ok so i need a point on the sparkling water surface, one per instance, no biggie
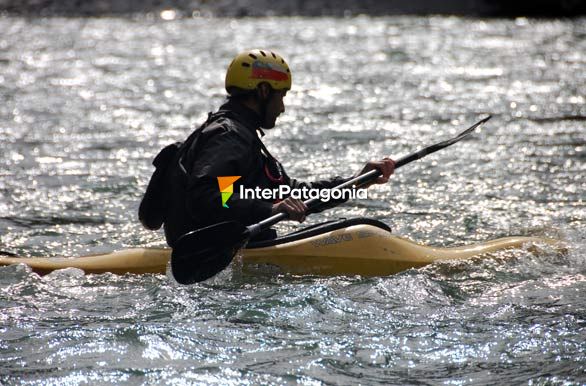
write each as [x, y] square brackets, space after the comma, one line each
[85, 104]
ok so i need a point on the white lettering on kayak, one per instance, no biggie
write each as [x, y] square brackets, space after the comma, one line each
[332, 240]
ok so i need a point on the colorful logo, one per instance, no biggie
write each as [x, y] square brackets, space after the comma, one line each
[268, 71]
[226, 185]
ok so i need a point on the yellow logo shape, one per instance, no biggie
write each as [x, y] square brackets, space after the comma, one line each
[226, 185]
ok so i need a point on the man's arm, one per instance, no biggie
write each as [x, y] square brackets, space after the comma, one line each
[386, 166]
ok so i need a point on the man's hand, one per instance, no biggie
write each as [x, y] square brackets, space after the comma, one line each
[294, 207]
[386, 166]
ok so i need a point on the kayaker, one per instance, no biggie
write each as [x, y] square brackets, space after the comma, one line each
[183, 193]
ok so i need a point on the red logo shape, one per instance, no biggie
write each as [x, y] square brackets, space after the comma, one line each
[268, 71]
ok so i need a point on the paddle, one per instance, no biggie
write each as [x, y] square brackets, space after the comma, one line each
[200, 254]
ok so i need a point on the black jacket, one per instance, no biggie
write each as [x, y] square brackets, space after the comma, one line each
[226, 145]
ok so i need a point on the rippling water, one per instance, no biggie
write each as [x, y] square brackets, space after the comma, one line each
[86, 103]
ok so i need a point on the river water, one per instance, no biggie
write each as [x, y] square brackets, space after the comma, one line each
[85, 104]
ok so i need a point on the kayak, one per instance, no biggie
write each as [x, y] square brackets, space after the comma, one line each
[356, 246]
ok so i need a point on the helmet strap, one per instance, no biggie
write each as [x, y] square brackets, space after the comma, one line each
[263, 102]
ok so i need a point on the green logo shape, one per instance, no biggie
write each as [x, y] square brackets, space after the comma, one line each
[226, 185]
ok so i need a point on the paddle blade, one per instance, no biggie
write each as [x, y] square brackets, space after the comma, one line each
[203, 253]
[466, 132]
[438, 146]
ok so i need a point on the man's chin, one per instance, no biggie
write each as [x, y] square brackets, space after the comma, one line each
[268, 125]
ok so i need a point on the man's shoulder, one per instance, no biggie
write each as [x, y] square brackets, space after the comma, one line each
[227, 126]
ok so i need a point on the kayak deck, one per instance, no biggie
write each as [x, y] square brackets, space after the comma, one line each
[369, 251]
[361, 249]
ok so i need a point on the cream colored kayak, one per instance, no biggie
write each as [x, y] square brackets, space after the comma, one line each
[370, 251]
[361, 249]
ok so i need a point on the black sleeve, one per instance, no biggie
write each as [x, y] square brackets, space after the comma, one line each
[225, 153]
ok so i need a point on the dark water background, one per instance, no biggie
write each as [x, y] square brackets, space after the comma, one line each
[85, 103]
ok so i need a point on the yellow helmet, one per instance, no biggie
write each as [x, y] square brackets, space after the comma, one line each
[250, 68]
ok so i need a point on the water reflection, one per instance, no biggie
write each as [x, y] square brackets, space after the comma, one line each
[87, 103]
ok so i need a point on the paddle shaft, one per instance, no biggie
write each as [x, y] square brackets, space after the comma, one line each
[364, 179]
[313, 202]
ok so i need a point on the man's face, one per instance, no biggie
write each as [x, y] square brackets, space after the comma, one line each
[275, 106]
